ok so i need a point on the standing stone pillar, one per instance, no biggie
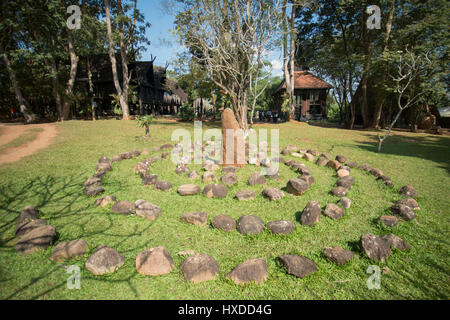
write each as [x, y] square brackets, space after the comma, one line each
[233, 147]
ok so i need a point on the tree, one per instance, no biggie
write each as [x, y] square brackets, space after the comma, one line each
[407, 90]
[228, 38]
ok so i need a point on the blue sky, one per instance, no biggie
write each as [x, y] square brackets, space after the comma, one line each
[163, 44]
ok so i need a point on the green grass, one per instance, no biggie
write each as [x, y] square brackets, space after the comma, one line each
[52, 180]
[27, 137]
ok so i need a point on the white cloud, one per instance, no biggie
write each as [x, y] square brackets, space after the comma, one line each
[276, 65]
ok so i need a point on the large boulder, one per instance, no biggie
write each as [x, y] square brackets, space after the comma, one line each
[346, 182]
[104, 260]
[376, 248]
[250, 225]
[281, 227]
[215, 191]
[311, 213]
[338, 255]
[200, 268]
[250, 271]
[296, 186]
[396, 242]
[224, 222]
[154, 262]
[189, 190]
[273, 194]
[297, 265]
[123, 207]
[39, 238]
[70, 249]
[197, 218]
[147, 210]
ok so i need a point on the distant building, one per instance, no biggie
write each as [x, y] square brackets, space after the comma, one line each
[310, 94]
[155, 92]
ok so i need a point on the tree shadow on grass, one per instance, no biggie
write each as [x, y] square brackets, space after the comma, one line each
[433, 148]
[61, 201]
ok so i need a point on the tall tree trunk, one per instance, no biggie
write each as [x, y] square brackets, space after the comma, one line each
[292, 60]
[22, 102]
[124, 56]
[56, 93]
[112, 57]
[382, 97]
[72, 76]
[286, 55]
[91, 88]
[365, 75]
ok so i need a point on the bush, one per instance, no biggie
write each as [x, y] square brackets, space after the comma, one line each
[186, 112]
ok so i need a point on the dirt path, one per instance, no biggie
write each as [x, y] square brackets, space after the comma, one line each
[9, 133]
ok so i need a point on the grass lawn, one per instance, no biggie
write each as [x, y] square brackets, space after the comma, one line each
[53, 180]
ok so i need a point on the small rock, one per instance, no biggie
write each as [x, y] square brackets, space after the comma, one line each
[104, 260]
[254, 270]
[210, 166]
[36, 239]
[93, 181]
[376, 172]
[326, 156]
[166, 146]
[342, 173]
[334, 164]
[116, 159]
[273, 194]
[147, 210]
[28, 226]
[296, 187]
[200, 268]
[224, 222]
[408, 191]
[141, 168]
[365, 167]
[163, 185]
[250, 225]
[297, 265]
[189, 190]
[229, 169]
[346, 182]
[105, 201]
[229, 179]
[154, 262]
[352, 164]
[322, 161]
[309, 179]
[197, 218]
[181, 169]
[149, 179]
[193, 175]
[282, 227]
[105, 167]
[389, 221]
[70, 249]
[309, 157]
[313, 152]
[409, 202]
[388, 183]
[404, 211]
[123, 207]
[208, 176]
[339, 191]
[311, 213]
[338, 255]
[28, 214]
[215, 191]
[346, 203]
[334, 211]
[341, 159]
[92, 191]
[245, 195]
[256, 178]
[376, 248]
[397, 242]
[297, 155]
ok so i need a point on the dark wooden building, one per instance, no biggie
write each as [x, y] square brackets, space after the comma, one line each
[156, 94]
[310, 96]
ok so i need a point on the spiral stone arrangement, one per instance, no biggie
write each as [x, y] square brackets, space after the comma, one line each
[34, 233]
